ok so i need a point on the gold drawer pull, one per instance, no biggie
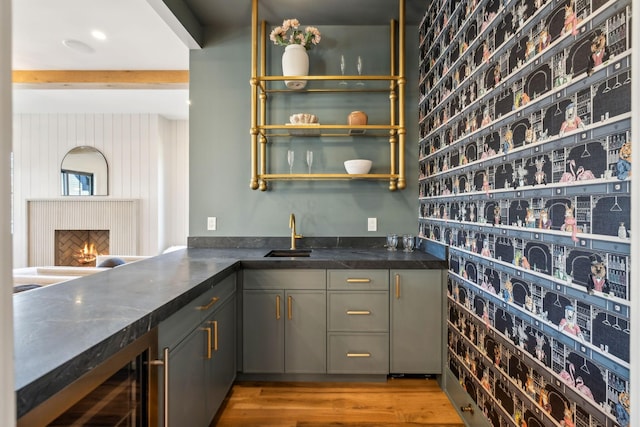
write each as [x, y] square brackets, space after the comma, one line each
[359, 312]
[397, 286]
[211, 303]
[358, 354]
[356, 280]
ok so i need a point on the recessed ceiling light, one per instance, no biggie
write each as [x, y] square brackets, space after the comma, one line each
[99, 35]
[78, 46]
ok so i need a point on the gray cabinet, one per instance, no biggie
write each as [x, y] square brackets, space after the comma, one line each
[416, 321]
[201, 339]
[187, 381]
[220, 369]
[284, 321]
[358, 325]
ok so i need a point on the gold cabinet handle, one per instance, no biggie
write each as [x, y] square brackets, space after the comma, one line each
[289, 307]
[208, 331]
[358, 312]
[357, 280]
[358, 354]
[165, 384]
[215, 335]
[277, 307]
[210, 304]
[397, 286]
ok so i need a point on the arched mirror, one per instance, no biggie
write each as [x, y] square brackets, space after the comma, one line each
[84, 172]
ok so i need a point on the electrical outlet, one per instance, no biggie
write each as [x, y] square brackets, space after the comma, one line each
[372, 224]
[212, 223]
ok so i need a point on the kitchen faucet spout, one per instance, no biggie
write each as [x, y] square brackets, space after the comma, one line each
[292, 226]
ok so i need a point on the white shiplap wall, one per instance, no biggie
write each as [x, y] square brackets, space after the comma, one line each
[133, 145]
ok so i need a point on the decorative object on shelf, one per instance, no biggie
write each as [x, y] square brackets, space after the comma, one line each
[357, 118]
[358, 166]
[295, 61]
[303, 118]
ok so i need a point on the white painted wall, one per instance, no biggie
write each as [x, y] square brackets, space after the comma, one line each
[7, 395]
[132, 144]
[173, 183]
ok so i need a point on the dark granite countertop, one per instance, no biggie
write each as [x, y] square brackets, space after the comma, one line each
[63, 331]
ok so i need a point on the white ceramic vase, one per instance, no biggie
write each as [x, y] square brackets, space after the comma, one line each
[295, 62]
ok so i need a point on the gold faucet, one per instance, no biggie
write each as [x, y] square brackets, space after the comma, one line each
[292, 226]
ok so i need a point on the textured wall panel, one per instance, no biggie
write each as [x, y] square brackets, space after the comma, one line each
[120, 217]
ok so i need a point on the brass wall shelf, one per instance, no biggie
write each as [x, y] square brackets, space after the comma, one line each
[262, 132]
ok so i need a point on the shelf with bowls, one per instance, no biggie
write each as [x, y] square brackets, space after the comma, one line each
[265, 130]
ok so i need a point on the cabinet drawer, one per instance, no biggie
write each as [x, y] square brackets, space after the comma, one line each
[362, 280]
[178, 326]
[221, 292]
[359, 311]
[358, 353]
[284, 279]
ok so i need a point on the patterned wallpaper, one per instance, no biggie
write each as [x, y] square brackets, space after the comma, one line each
[525, 118]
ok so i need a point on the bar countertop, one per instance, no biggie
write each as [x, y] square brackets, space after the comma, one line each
[63, 331]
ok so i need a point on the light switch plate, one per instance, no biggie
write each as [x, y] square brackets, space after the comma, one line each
[212, 223]
[372, 224]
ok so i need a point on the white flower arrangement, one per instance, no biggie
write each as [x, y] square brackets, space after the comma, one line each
[289, 33]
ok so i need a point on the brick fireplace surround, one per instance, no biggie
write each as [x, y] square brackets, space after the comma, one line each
[119, 216]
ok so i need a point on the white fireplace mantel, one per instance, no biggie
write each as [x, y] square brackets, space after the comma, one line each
[119, 216]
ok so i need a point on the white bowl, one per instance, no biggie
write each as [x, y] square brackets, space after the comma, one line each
[358, 166]
[303, 118]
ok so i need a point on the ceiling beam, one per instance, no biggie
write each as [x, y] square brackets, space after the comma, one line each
[101, 79]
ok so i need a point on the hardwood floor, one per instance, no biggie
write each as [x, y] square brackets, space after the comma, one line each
[393, 403]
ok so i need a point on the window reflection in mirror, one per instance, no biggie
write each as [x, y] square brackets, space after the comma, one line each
[84, 172]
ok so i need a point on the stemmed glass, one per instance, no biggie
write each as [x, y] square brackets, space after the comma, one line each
[359, 67]
[290, 154]
[309, 160]
[342, 68]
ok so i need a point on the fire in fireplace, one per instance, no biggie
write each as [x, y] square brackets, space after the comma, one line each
[79, 248]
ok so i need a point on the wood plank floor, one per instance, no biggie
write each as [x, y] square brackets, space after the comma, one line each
[393, 403]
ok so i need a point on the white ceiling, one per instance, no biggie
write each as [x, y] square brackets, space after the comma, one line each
[137, 39]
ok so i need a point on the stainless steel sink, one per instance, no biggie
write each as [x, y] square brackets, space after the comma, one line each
[287, 253]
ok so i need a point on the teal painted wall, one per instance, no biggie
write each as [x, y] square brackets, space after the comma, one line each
[220, 142]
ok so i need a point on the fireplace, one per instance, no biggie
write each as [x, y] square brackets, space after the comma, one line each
[80, 247]
[46, 216]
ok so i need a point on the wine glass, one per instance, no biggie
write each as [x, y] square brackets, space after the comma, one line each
[290, 154]
[359, 67]
[342, 68]
[309, 159]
